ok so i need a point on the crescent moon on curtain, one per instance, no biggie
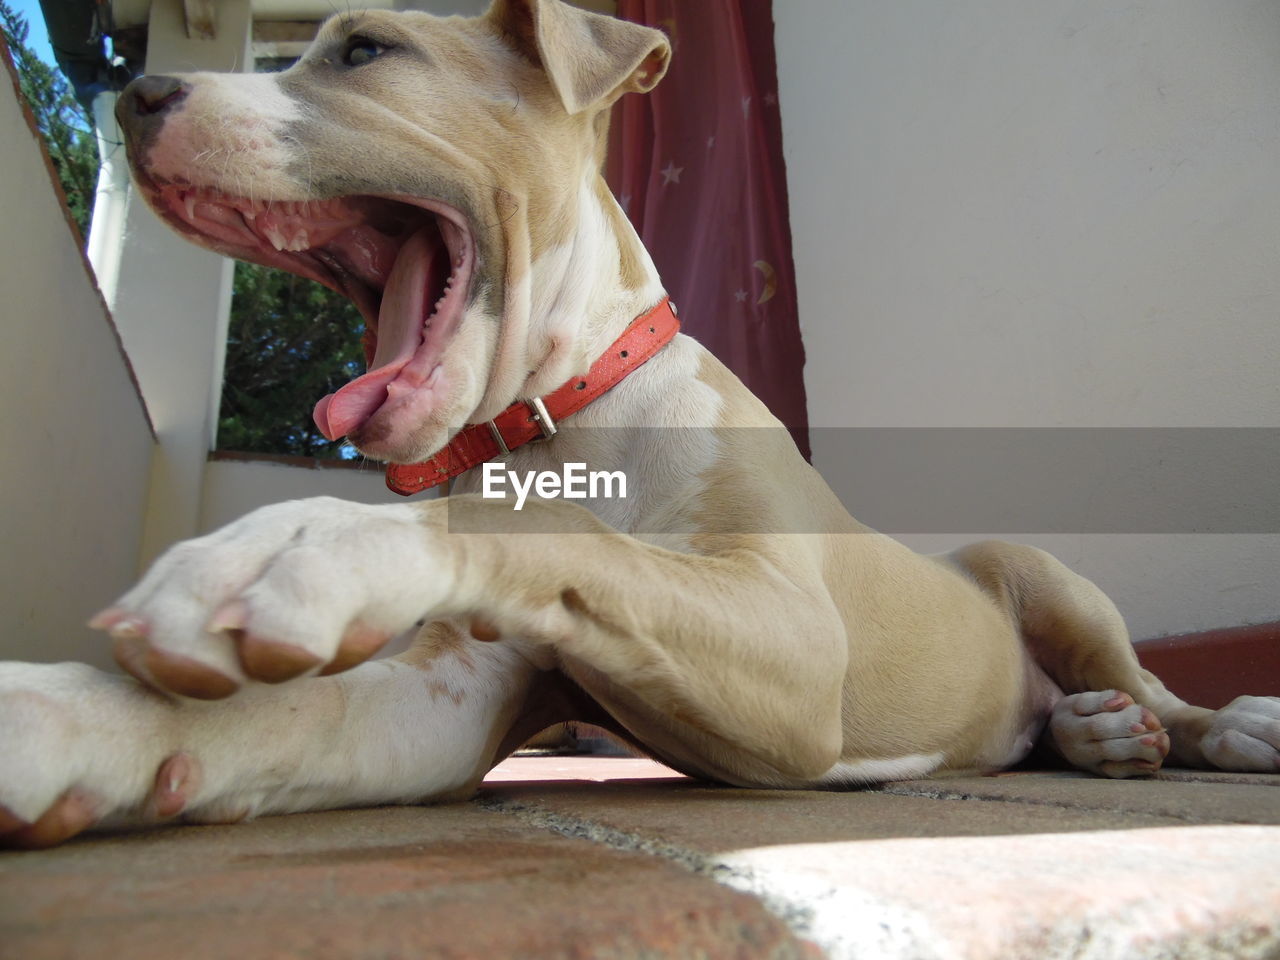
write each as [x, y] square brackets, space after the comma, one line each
[770, 281]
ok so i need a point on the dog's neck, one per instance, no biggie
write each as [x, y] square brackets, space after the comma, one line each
[586, 292]
[578, 297]
[538, 418]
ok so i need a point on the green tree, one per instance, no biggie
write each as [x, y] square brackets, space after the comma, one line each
[290, 341]
[67, 130]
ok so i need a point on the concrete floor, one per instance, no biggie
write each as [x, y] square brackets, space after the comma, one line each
[618, 858]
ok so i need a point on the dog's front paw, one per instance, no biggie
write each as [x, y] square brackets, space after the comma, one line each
[1245, 736]
[78, 746]
[306, 587]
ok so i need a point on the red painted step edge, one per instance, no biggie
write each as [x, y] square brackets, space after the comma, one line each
[1212, 668]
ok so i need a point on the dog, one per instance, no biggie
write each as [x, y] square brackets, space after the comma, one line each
[444, 174]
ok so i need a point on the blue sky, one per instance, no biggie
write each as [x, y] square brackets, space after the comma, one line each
[38, 39]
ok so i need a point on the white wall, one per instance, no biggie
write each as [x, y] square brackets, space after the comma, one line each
[77, 446]
[1060, 213]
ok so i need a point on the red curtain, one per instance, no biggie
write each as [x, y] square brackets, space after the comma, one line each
[697, 165]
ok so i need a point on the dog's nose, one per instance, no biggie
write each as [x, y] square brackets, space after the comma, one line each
[146, 100]
[150, 95]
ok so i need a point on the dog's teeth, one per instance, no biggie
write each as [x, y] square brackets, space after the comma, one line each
[300, 242]
[190, 203]
[272, 233]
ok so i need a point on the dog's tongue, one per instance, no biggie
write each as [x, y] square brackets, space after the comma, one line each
[400, 320]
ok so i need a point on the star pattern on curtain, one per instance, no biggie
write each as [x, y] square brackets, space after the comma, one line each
[699, 169]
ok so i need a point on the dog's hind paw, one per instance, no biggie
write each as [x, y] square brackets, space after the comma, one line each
[301, 588]
[1105, 732]
[1245, 736]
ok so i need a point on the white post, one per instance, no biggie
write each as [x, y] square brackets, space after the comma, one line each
[106, 230]
[172, 299]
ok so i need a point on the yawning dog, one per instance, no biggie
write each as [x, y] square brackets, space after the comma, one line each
[444, 175]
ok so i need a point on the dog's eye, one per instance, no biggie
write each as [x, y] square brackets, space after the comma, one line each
[359, 50]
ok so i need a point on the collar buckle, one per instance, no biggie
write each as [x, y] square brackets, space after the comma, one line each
[543, 419]
[540, 416]
[645, 336]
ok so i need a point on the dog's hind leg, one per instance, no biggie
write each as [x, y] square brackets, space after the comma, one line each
[1115, 717]
[84, 747]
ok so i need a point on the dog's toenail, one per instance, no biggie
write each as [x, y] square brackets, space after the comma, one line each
[129, 628]
[174, 786]
[232, 615]
[106, 619]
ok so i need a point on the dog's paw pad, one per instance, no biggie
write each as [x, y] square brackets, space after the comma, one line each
[72, 813]
[358, 644]
[273, 662]
[484, 630]
[1107, 733]
[171, 671]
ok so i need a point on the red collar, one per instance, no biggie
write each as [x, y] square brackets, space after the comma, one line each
[528, 420]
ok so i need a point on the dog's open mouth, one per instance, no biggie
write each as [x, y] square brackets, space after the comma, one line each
[405, 263]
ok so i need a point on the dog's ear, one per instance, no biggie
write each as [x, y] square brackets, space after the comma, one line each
[590, 59]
